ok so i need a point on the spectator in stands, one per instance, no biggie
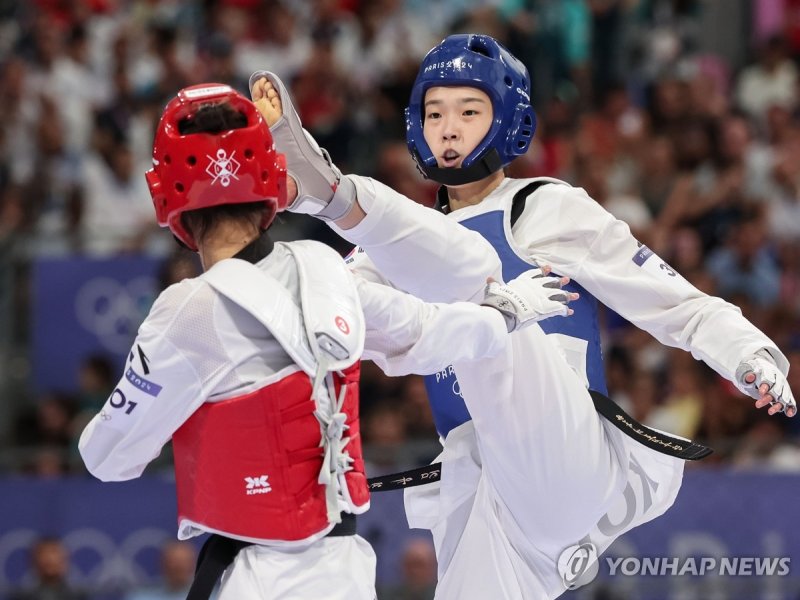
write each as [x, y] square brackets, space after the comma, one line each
[383, 428]
[53, 195]
[746, 265]
[177, 572]
[117, 215]
[772, 80]
[682, 408]
[50, 566]
[784, 200]
[419, 573]
[218, 58]
[48, 422]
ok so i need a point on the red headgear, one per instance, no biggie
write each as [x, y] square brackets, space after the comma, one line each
[198, 170]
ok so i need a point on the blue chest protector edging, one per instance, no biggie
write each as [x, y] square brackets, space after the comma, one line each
[447, 404]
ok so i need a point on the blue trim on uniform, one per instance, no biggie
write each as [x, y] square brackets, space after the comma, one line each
[642, 255]
[447, 405]
[145, 385]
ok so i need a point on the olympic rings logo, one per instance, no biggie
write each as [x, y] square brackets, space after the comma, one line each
[112, 311]
[96, 559]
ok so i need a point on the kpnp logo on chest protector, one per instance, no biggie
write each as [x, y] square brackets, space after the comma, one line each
[258, 485]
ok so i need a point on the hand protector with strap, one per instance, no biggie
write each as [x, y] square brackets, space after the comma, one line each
[321, 190]
[763, 366]
[529, 298]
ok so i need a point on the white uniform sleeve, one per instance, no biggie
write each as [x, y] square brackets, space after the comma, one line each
[405, 335]
[415, 249]
[563, 227]
[158, 391]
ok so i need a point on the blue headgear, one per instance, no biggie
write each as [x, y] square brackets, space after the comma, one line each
[482, 62]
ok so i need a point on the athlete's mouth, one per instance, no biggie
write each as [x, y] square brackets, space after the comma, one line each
[450, 158]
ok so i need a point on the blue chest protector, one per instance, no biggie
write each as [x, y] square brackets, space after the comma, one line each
[447, 405]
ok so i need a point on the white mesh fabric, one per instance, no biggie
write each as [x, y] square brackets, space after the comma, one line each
[230, 350]
[194, 331]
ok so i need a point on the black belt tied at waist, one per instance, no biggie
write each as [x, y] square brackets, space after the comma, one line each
[218, 553]
[655, 440]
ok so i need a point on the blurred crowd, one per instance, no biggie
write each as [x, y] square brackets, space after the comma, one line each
[51, 575]
[687, 133]
[684, 129]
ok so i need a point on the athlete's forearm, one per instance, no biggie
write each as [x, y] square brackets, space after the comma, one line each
[406, 335]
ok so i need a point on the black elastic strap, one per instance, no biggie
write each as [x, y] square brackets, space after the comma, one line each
[518, 202]
[442, 203]
[256, 250]
[481, 168]
[655, 440]
[219, 551]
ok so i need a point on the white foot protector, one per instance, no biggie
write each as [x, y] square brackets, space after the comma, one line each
[321, 190]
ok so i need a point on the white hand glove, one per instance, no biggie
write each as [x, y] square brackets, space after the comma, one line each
[762, 370]
[529, 298]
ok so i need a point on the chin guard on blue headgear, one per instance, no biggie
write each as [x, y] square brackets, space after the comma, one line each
[476, 61]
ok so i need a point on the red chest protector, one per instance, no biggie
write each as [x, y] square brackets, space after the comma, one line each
[249, 466]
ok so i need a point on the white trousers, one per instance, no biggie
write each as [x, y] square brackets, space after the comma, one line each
[536, 471]
[334, 568]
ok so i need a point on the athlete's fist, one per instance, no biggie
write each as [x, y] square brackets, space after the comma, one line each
[758, 376]
[529, 298]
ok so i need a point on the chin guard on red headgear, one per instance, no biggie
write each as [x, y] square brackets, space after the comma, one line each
[198, 170]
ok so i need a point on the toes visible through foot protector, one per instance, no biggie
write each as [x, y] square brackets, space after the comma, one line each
[316, 176]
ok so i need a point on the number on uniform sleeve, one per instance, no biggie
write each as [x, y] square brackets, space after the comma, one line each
[118, 400]
[668, 269]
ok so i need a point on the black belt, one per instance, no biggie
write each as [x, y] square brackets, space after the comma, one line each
[655, 440]
[219, 551]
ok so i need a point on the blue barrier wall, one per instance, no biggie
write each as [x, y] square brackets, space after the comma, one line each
[114, 531]
[85, 306]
